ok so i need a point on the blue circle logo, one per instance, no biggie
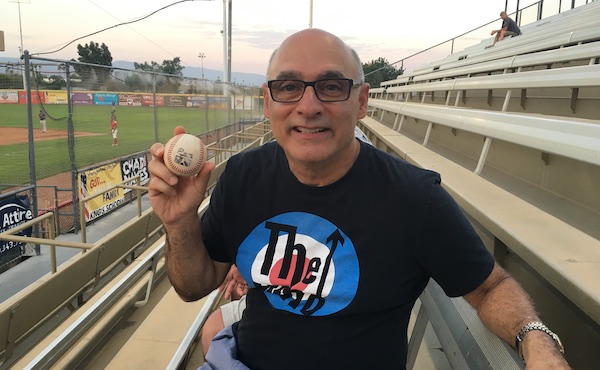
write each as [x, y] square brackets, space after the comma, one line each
[304, 264]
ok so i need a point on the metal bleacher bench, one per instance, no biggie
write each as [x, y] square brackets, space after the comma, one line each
[534, 236]
[570, 77]
[589, 51]
[562, 136]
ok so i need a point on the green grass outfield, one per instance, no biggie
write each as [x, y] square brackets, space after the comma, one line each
[136, 133]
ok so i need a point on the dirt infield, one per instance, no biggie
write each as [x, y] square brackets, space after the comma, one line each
[16, 135]
[46, 195]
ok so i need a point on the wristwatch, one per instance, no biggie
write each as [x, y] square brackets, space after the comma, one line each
[536, 325]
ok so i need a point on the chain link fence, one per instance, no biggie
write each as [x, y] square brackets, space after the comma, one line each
[56, 127]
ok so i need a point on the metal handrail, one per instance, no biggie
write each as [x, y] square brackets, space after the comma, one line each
[79, 327]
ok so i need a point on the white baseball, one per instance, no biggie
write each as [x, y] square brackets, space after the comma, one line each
[185, 155]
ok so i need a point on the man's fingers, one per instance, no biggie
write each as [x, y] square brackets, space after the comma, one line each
[179, 130]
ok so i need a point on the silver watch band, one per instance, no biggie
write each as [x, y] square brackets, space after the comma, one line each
[536, 325]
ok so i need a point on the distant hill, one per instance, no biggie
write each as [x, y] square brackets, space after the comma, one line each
[249, 79]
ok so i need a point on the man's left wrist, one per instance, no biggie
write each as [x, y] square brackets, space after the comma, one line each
[539, 327]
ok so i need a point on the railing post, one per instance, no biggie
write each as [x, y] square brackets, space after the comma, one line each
[32, 174]
[71, 141]
[139, 194]
[82, 220]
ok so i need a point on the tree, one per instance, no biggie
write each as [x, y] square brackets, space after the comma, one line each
[56, 82]
[11, 80]
[379, 70]
[94, 53]
[172, 68]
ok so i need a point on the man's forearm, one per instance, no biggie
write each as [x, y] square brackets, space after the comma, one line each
[504, 307]
[191, 271]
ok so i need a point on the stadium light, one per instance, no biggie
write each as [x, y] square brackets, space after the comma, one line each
[202, 56]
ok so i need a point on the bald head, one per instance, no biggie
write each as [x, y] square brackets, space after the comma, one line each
[310, 41]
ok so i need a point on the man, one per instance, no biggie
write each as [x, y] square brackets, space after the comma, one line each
[509, 28]
[114, 128]
[335, 238]
[42, 117]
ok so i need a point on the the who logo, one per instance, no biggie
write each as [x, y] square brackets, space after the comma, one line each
[303, 263]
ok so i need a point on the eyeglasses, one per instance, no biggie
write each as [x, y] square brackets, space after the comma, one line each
[326, 90]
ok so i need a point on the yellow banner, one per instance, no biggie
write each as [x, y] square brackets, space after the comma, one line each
[96, 181]
[57, 97]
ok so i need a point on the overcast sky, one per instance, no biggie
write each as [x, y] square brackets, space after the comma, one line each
[392, 29]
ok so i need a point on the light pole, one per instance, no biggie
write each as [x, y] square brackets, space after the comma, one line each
[202, 56]
[310, 15]
[21, 50]
[20, 27]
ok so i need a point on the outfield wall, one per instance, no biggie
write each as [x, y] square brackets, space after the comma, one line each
[126, 99]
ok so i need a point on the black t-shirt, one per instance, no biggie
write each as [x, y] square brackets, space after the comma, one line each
[335, 270]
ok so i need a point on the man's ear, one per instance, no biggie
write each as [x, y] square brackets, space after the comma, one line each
[265, 90]
[363, 100]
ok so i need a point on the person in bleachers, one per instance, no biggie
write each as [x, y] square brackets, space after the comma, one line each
[235, 288]
[509, 28]
[335, 238]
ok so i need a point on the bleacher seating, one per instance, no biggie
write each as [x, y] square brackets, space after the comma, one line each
[579, 25]
[514, 131]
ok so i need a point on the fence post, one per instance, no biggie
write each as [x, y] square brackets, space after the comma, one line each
[71, 143]
[156, 138]
[32, 174]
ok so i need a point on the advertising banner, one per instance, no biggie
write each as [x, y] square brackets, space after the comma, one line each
[37, 97]
[106, 99]
[9, 97]
[134, 166]
[241, 102]
[56, 97]
[14, 211]
[217, 102]
[196, 101]
[95, 181]
[81, 98]
[175, 101]
[131, 100]
[148, 100]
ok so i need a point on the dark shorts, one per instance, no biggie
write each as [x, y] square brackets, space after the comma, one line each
[511, 33]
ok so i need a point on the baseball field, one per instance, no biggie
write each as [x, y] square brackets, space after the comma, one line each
[92, 135]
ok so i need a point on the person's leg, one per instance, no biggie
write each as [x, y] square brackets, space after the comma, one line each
[495, 40]
[211, 327]
[224, 316]
[502, 34]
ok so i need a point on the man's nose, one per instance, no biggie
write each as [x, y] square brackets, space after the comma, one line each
[309, 105]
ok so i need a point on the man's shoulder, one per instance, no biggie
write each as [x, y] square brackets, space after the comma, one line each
[252, 158]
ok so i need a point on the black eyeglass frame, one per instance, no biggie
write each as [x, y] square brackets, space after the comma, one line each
[350, 81]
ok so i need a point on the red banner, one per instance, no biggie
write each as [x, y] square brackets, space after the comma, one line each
[36, 97]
